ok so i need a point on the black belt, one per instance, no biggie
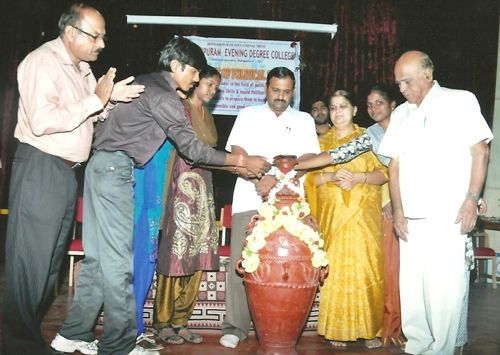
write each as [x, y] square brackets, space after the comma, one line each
[71, 164]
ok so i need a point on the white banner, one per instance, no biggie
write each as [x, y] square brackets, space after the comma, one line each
[244, 64]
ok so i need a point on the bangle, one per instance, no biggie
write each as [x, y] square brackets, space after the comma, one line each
[366, 177]
[472, 196]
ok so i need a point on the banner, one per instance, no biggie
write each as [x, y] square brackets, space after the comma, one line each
[244, 64]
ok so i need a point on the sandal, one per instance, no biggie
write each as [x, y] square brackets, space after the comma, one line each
[169, 336]
[338, 344]
[188, 335]
[147, 342]
[373, 343]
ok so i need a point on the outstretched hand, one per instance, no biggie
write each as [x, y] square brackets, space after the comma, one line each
[123, 92]
[264, 185]
[256, 165]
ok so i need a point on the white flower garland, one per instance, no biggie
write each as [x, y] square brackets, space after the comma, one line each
[290, 219]
[282, 181]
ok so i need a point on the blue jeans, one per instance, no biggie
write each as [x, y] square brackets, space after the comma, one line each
[106, 274]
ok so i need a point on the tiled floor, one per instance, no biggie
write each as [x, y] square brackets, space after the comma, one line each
[484, 330]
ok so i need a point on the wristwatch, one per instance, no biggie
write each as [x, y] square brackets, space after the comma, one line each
[472, 196]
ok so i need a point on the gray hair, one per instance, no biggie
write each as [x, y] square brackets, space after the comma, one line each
[427, 62]
[71, 16]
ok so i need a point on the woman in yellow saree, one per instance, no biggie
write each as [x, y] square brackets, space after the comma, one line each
[346, 200]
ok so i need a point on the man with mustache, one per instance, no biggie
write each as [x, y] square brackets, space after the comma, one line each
[59, 101]
[130, 137]
[270, 129]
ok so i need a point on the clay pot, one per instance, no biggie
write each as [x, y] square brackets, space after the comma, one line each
[282, 289]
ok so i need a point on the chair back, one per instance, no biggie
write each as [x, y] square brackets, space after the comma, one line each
[225, 224]
[79, 210]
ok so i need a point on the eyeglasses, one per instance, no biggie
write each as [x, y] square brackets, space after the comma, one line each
[94, 37]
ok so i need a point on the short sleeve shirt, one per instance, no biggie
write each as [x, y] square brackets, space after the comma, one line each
[432, 142]
[259, 131]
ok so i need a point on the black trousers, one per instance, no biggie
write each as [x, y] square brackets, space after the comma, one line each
[42, 199]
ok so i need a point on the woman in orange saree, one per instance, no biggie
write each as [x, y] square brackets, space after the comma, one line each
[381, 101]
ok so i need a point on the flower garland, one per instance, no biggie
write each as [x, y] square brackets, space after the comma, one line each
[283, 180]
[290, 219]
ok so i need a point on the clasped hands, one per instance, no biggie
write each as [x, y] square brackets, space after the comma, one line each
[343, 178]
[252, 166]
[122, 91]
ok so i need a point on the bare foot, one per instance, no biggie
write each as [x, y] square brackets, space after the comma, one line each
[392, 340]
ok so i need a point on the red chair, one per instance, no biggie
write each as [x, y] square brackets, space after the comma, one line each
[224, 228]
[76, 246]
[483, 253]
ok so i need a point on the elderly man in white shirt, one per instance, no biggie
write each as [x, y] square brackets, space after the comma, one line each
[438, 145]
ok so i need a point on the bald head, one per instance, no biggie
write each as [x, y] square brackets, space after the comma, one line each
[414, 75]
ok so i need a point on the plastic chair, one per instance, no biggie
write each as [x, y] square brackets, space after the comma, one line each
[75, 246]
[483, 253]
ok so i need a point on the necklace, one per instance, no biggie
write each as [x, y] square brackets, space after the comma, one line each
[197, 109]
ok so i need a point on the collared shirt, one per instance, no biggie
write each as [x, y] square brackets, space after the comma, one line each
[259, 131]
[57, 104]
[140, 127]
[432, 142]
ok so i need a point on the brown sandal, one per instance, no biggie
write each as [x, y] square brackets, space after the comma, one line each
[169, 336]
[188, 335]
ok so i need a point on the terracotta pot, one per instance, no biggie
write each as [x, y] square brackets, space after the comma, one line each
[282, 289]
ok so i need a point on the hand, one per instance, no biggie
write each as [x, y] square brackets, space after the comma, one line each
[264, 185]
[400, 224]
[467, 216]
[346, 179]
[387, 211]
[483, 207]
[256, 165]
[240, 171]
[344, 174]
[124, 92]
[104, 86]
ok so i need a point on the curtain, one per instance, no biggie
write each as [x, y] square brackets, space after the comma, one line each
[463, 38]
[364, 49]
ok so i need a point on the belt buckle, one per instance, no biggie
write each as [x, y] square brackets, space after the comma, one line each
[76, 165]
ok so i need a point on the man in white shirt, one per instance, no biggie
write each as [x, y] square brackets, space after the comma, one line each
[266, 130]
[438, 145]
